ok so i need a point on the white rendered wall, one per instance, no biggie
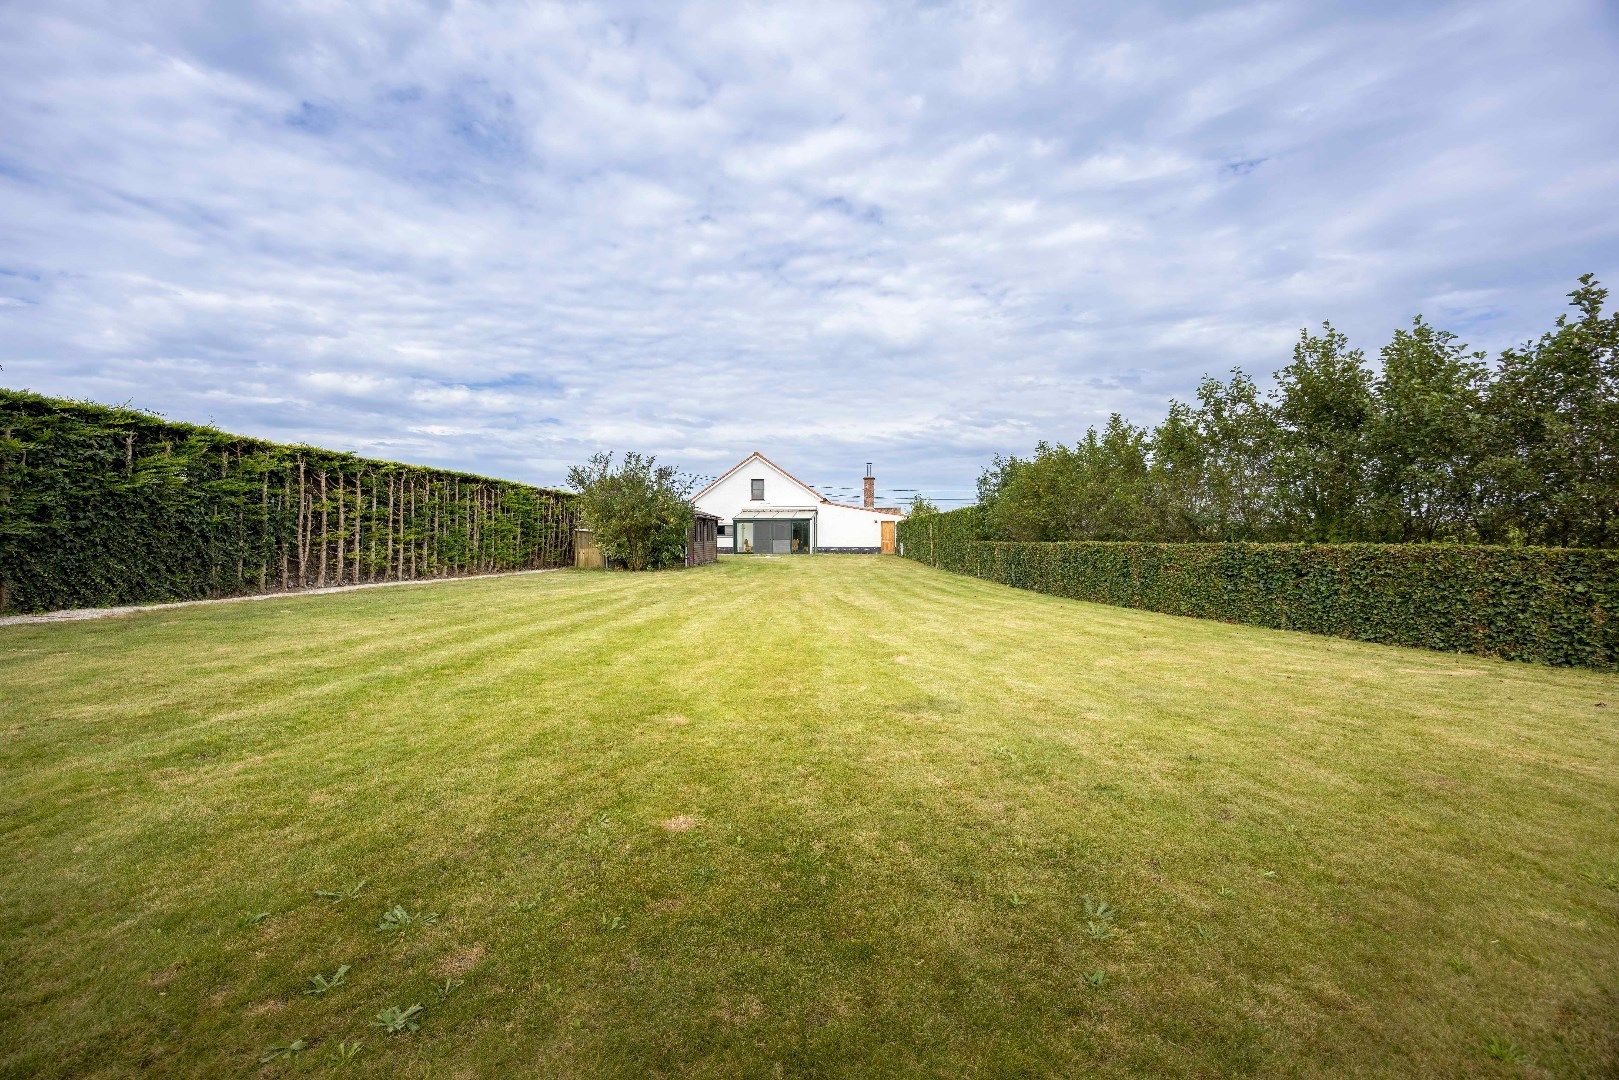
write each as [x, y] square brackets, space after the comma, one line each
[836, 525]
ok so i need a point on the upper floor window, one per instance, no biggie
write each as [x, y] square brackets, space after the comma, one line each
[758, 489]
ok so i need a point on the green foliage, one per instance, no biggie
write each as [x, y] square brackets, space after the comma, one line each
[337, 896]
[398, 918]
[397, 1018]
[1435, 446]
[1552, 605]
[921, 504]
[296, 1046]
[639, 510]
[102, 506]
[321, 984]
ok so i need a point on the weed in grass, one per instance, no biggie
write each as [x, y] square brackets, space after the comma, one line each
[345, 1052]
[320, 984]
[448, 987]
[1227, 891]
[1098, 918]
[1015, 900]
[253, 919]
[1203, 932]
[397, 1018]
[1096, 979]
[397, 918]
[611, 923]
[296, 1046]
[1505, 1050]
[1458, 965]
[1267, 873]
[337, 896]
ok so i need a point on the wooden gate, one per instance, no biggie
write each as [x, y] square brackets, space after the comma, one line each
[888, 537]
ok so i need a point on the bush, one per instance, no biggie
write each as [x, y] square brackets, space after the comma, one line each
[638, 510]
[1551, 605]
[102, 506]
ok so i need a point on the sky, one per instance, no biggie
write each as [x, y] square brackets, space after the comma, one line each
[500, 238]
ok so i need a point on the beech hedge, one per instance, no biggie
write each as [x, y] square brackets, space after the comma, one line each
[103, 506]
[1548, 605]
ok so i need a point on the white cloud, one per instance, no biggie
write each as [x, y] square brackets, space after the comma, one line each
[503, 237]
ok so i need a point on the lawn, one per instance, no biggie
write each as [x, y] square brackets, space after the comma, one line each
[842, 816]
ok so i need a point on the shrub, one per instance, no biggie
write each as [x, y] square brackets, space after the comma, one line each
[638, 510]
[1551, 605]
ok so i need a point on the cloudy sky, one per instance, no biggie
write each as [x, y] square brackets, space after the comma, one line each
[501, 237]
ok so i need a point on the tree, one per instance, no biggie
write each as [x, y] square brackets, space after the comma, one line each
[1178, 484]
[640, 510]
[1554, 409]
[1426, 438]
[1323, 405]
[921, 505]
[1238, 432]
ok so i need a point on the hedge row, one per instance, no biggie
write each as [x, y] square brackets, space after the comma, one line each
[1550, 605]
[103, 506]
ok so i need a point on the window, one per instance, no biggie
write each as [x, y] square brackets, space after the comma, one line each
[725, 530]
[758, 490]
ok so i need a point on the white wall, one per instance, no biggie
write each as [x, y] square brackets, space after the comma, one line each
[836, 525]
[849, 526]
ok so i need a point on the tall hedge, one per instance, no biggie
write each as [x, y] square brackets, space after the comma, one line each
[102, 506]
[1551, 605]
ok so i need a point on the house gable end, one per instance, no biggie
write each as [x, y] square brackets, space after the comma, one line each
[756, 456]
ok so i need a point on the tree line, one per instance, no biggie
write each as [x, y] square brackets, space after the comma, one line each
[1430, 444]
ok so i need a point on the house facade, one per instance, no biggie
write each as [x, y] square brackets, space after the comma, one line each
[765, 510]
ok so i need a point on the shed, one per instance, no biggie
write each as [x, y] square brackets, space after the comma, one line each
[702, 540]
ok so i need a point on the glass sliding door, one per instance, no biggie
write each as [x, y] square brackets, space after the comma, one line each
[774, 537]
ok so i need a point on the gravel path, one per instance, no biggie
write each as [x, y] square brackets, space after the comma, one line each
[108, 612]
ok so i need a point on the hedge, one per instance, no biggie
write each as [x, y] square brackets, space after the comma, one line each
[1549, 605]
[102, 506]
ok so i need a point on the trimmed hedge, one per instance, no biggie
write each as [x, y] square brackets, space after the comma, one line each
[103, 506]
[1549, 605]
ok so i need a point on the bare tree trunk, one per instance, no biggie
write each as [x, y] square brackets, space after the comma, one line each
[286, 497]
[342, 530]
[264, 523]
[303, 530]
[359, 506]
[388, 548]
[324, 541]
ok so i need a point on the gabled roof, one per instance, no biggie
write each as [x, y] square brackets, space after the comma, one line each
[891, 510]
[818, 496]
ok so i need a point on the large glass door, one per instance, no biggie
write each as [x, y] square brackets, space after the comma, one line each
[773, 537]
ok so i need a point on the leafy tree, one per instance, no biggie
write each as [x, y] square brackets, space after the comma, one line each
[1178, 477]
[921, 505]
[639, 510]
[1238, 431]
[1324, 406]
[1434, 446]
[1426, 439]
[1554, 462]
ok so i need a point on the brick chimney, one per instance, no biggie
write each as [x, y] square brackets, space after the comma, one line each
[871, 488]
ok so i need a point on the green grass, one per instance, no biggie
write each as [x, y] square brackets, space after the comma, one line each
[833, 816]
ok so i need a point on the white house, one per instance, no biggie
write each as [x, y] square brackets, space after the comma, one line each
[766, 510]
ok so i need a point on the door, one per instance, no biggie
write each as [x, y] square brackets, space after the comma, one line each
[888, 537]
